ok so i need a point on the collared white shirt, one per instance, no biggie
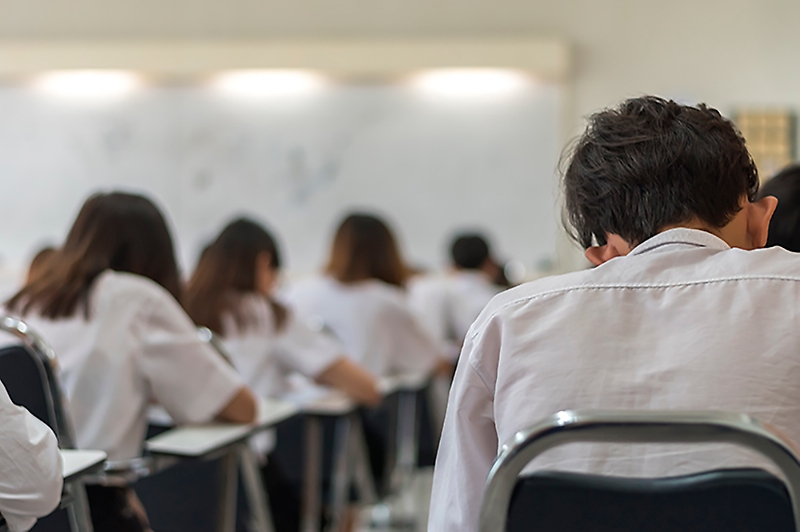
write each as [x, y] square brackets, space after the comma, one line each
[448, 304]
[681, 323]
[266, 356]
[138, 344]
[30, 466]
[373, 321]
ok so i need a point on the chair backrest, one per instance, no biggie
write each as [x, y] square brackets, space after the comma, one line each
[27, 372]
[741, 492]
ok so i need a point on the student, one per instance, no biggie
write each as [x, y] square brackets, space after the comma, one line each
[30, 466]
[361, 299]
[231, 294]
[108, 308]
[449, 304]
[683, 312]
[784, 228]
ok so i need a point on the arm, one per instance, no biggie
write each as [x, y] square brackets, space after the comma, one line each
[352, 379]
[30, 466]
[188, 377]
[241, 409]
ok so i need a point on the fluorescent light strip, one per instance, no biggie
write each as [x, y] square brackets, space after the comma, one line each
[88, 84]
[267, 83]
[470, 83]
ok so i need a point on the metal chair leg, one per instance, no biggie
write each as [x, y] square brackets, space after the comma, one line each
[80, 518]
[257, 496]
[341, 477]
[312, 486]
[226, 516]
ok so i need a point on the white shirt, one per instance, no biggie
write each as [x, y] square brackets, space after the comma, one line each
[448, 304]
[373, 321]
[681, 323]
[30, 466]
[138, 344]
[266, 356]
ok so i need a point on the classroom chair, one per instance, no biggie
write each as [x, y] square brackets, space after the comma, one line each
[27, 371]
[723, 499]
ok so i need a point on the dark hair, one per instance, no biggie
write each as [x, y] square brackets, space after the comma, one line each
[651, 163]
[469, 251]
[364, 248]
[784, 228]
[115, 231]
[226, 271]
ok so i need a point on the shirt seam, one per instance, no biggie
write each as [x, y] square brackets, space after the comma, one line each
[659, 286]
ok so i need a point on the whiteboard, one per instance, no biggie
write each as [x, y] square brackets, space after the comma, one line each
[430, 166]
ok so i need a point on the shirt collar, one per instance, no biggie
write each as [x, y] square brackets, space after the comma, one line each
[683, 236]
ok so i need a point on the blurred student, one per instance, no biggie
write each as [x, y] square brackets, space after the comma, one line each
[109, 309]
[784, 228]
[39, 262]
[449, 304]
[30, 466]
[683, 312]
[231, 294]
[361, 299]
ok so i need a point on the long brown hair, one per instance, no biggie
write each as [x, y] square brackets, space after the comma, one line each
[226, 271]
[364, 248]
[115, 231]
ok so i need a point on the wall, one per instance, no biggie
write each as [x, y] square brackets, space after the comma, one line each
[728, 53]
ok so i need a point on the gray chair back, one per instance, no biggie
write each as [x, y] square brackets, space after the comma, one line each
[630, 427]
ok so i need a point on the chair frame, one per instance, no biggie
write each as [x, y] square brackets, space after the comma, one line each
[75, 500]
[598, 426]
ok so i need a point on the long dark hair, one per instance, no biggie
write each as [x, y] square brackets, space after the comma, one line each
[364, 248]
[226, 271]
[114, 231]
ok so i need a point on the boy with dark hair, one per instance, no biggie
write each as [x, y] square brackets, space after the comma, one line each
[683, 312]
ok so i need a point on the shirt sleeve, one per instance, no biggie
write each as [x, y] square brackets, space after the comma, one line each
[31, 469]
[188, 377]
[467, 450]
[305, 350]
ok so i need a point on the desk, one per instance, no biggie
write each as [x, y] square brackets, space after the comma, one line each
[79, 463]
[229, 442]
[205, 440]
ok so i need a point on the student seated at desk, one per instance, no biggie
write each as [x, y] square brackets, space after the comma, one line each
[684, 311]
[107, 305]
[230, 292]
[362, 301]
[30, 466]
[448, 304]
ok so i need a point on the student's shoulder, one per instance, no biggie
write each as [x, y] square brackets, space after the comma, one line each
[135, 289]
[510, 301]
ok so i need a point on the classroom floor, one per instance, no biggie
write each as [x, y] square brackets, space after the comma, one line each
[412, 503]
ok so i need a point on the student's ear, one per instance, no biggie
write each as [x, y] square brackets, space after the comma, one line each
[615, 246]
[759, 214]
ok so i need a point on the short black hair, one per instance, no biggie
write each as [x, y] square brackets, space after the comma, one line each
[784, 228]
[469, 251]
[650, 163]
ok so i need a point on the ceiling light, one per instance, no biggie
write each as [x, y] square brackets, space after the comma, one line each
[470, 83]
[267, 83]
[88, 84]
